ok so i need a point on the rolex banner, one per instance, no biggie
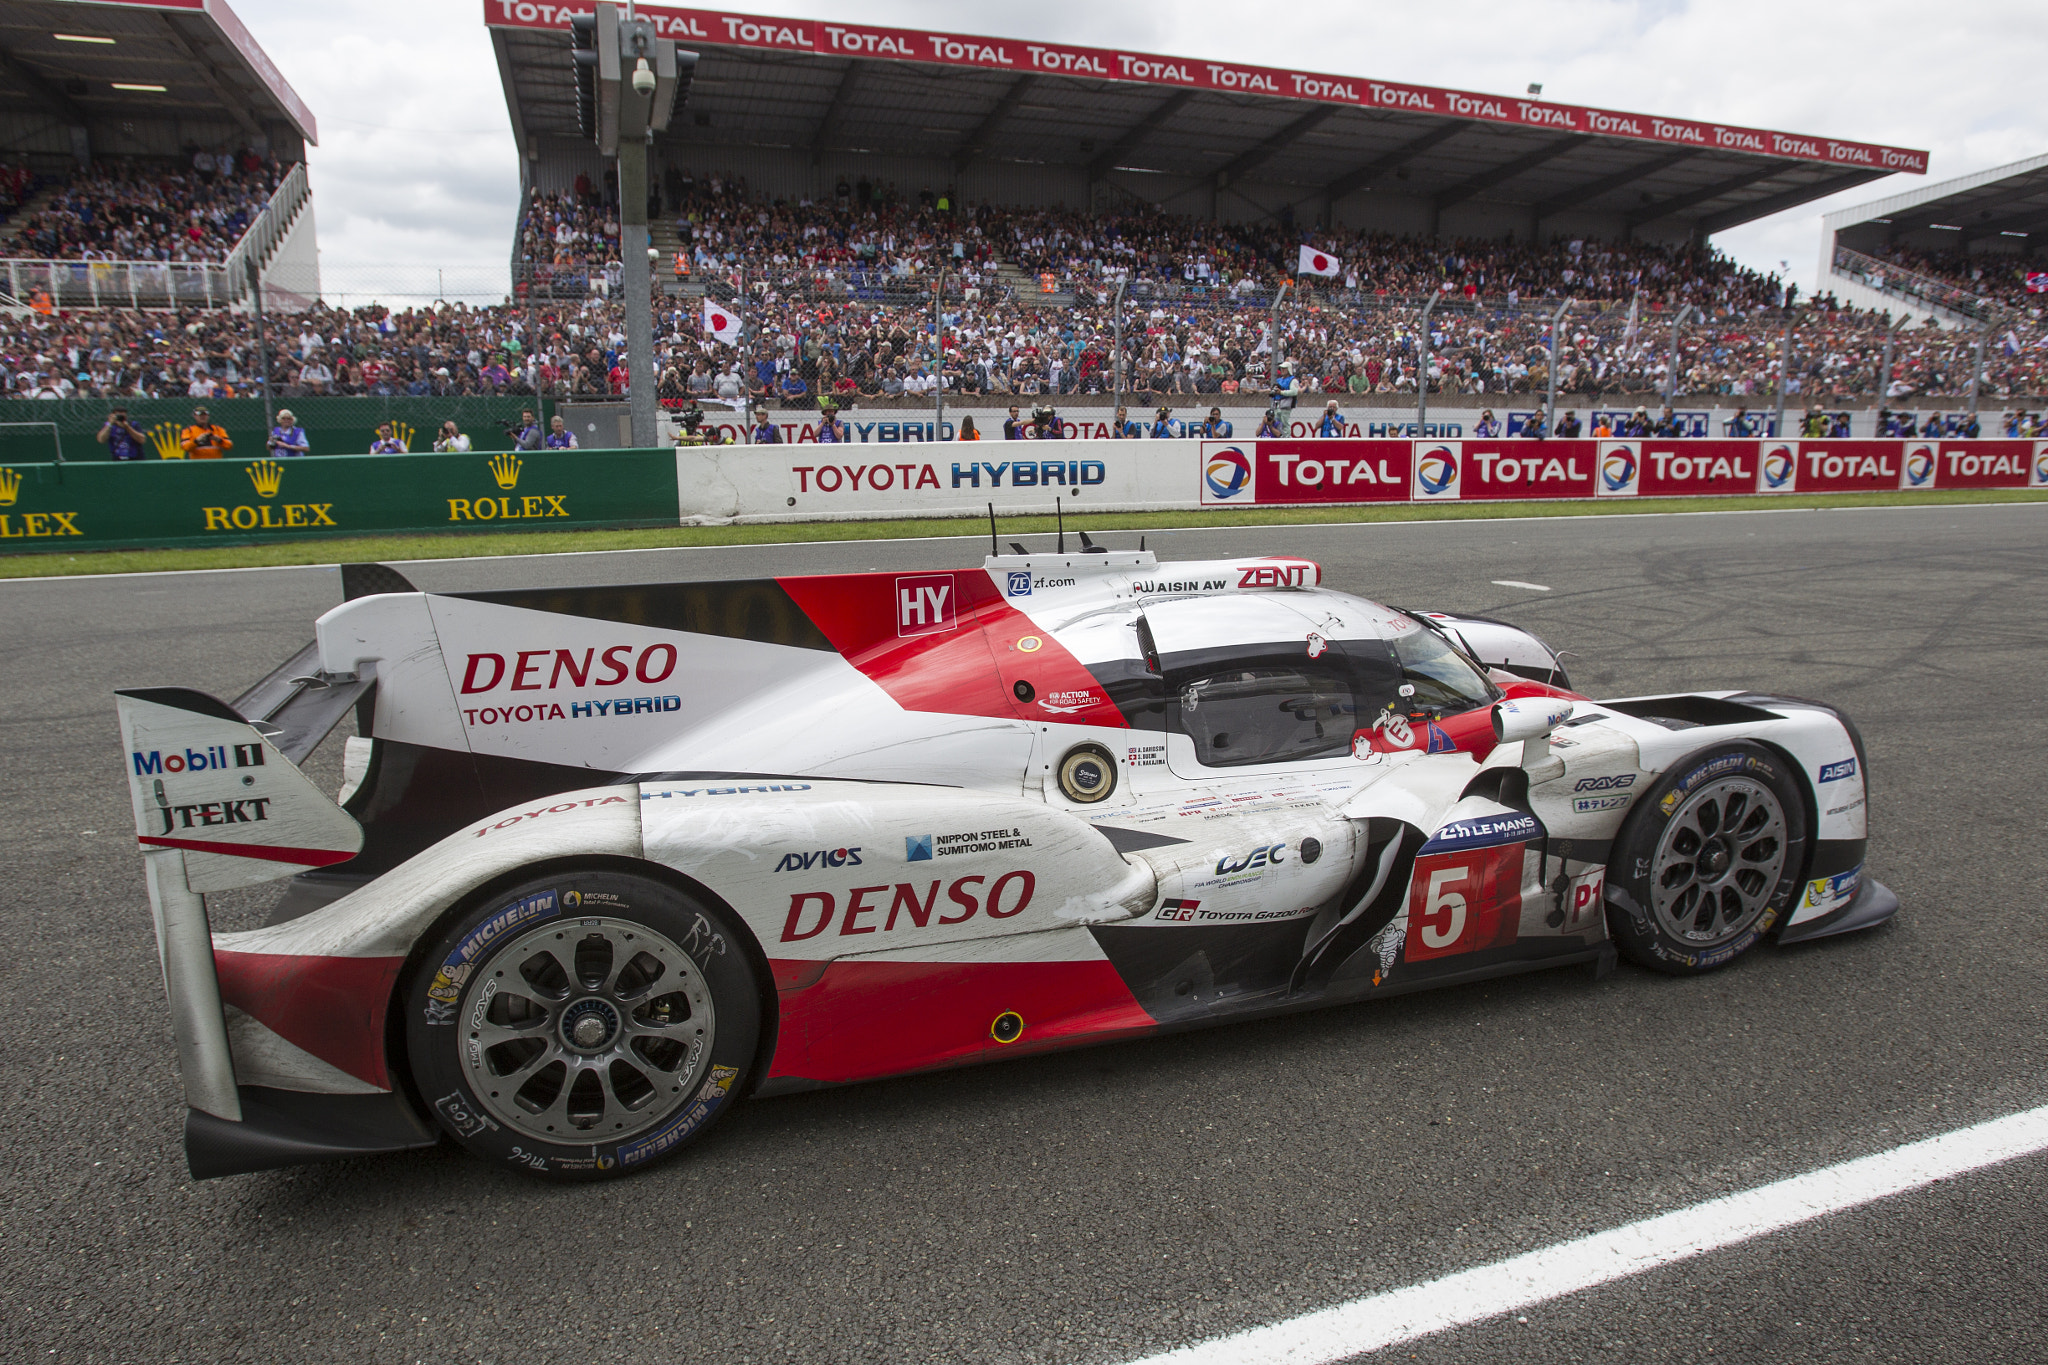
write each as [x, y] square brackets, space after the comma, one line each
[105, 505]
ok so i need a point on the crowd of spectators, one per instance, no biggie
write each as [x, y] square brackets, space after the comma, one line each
[147, 211]
[841, 300]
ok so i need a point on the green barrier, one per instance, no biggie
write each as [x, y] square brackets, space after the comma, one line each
[107, 505]
[31, 430]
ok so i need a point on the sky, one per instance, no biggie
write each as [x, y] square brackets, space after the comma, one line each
[415, 170]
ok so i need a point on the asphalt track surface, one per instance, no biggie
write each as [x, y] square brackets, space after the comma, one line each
[1104, 1204]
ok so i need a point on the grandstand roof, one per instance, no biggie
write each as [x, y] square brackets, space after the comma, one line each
[210, 68]
[826, 87]
[2008, 201]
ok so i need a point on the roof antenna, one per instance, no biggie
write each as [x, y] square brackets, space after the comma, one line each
[1017, 547]
[1089, 547]
[1141, 544]
[1060, 519]
[993, 547]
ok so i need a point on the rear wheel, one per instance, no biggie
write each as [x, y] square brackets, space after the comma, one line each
[584, 1025]
[1708, 861]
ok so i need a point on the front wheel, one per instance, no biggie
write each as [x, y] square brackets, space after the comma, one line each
[583, 1026]
[1708, 861]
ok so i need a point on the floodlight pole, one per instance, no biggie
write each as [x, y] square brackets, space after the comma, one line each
[1784, 369]
[1550, 413]
[1422, 370]
[1884, 374]
[1273, 328]
[1116, 365]
[939, 358]
[262, 346]
[1977, 366]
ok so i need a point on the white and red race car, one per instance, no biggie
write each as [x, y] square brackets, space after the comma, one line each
[609, 859]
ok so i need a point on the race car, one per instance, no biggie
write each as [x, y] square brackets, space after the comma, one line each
[607, 860]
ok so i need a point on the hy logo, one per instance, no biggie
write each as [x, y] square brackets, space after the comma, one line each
[1228, 473]
[10, 486]
[1618, 470]
[1779, 467]
[505, 469]
[1919, 466]
[267, 475]
[1436, 472]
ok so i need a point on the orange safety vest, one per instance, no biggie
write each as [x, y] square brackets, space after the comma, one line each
[682, 265]
[1047, 281]
[204, 443]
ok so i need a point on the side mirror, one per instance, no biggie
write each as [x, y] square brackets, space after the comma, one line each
[1521, 718]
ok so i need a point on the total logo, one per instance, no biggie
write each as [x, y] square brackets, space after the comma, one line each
[2040, 475]
[1919, 468]
[1620, 474]
[1436, 472]
[1779, 470]
[1227, 476]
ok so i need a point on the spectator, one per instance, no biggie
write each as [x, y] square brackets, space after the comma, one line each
[122, 438]
[387, 443]
[451, 439]
[314, 376]
[287, 437]
[559, 436]
[203, 440]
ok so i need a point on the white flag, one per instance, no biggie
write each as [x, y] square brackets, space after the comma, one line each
[721, 324]
[1315, 262]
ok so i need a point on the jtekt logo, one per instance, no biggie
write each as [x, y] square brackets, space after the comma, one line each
[924, 604]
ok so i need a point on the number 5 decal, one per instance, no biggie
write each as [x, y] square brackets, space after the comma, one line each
[1440, 900]
[1464, 902]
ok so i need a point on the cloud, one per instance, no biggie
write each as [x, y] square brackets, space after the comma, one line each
[416, 163]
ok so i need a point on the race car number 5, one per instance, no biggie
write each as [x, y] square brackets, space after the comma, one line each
[1464, 902]
[1444, 902]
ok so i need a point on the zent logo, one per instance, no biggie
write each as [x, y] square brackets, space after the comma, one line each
[1835, 772]
[1020, 583]
[924, 604]
[1779, 467]
[1919, 471]
[1227, 473]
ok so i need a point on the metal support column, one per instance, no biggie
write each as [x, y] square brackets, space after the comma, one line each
[1550, 413]
[1784, 370]
[637, 266]
[1422, 370]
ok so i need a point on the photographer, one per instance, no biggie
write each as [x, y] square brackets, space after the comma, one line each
[287, 438]
[122, 438]
[1046, 424]
[690, 426]
[559, 436]
[765, 432]
[1218, 427]
[451, 439]
[1274, 426]
[526, 433]
[1123, 428]
[832, 431]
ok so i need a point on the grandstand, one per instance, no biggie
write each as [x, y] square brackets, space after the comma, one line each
[1970, 252]
[150, 153]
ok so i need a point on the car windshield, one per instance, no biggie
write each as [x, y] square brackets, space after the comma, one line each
[1268, 715]
[1442, 677]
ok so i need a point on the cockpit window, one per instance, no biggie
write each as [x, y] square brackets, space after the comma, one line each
[1241, 715]
[1442, 677]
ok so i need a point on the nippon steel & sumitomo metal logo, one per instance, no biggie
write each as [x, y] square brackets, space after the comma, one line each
[1227, 473]
[1619, 470]
[1918, 471]
[1436, 473]
[1778, 469]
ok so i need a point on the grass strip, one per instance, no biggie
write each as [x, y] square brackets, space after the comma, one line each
[469, 546]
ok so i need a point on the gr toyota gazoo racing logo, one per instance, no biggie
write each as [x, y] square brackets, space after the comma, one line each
[1620, 475]
[1227, 476]
[1436, 472]
[1919, 468]
[1779, 470]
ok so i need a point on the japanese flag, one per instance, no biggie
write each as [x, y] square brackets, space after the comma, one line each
[721, 324]
[1315, 262]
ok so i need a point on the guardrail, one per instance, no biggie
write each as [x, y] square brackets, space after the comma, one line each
[1910, 286]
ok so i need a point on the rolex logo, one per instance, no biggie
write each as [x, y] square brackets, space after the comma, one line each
[505, 469]
[163, 438]
[10, 486]
[267, 475]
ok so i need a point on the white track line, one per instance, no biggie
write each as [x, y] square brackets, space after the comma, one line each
[1518, 583]
[1423, 522]
[1366, 1325]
